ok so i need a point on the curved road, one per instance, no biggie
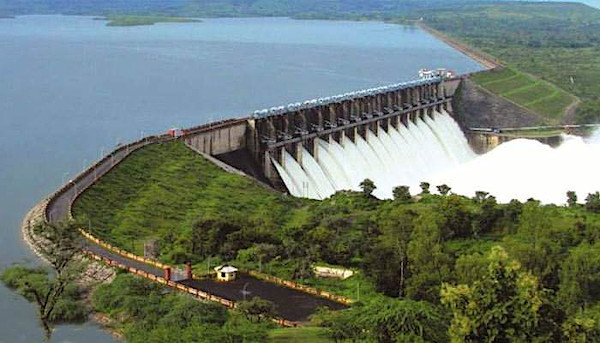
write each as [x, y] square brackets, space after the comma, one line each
[292, 304]
[59, 206]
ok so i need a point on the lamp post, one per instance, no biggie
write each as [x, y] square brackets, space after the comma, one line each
[74, 189]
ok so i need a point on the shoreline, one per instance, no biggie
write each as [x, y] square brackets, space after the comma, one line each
[489, 62]
[90, 278]
[32, 218]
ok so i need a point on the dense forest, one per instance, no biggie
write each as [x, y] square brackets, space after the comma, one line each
[447, 266]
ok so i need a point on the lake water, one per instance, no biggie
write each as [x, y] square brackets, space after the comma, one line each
[72, 87]
[593, 3]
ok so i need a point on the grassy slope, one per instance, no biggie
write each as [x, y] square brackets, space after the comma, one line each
[555, 42]
[527, 91]
[161, 189]
[164, 188]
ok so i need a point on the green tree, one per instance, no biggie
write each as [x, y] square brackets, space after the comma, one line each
[240, 330]
[582, 327]
[367, 186]
[257, 309]
[444, 189]
[536, 245]
[70, 308]
[386, 320]
[470, 268]
[209, 236]
[486, 216]
[402, 194]
[261, 253]
[455, 217]
[183, 313]
[506, 305]
[592, 202]
[511, 215]
[403, 321]
[480, 196]
[64, 243]
[387, 262]
[580, 278]
[429, 263]
[424, 187]
[571, 199]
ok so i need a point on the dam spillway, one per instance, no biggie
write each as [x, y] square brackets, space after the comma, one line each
[403, 155]
[394, 135]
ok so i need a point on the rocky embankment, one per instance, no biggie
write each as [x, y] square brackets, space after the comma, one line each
[94, 272]
[476, 107]
[31, 219]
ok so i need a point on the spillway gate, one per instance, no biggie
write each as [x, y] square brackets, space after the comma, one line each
[300, 125]
[262, 137]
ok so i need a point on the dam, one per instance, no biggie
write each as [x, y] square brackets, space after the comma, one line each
[394, 135]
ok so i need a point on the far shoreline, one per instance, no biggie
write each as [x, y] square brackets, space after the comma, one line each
[133, 20]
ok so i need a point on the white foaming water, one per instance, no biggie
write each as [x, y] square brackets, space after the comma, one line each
[522, 169]
[435, 150]
[403, 156]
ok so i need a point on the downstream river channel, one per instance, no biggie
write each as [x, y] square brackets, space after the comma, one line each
[72, 88]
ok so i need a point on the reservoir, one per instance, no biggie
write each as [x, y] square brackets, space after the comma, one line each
[72, 89]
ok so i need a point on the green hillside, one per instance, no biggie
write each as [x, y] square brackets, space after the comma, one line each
[557, 43]
[408, 253]
[527, 91]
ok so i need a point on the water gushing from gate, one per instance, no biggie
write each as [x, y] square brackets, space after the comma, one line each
[405, 155]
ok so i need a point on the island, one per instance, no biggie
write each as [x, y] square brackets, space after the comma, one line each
[132, 20]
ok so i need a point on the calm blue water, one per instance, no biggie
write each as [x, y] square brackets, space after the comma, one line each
[593, 3]
[72, 88]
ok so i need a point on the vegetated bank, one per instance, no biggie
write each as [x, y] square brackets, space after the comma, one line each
[131, 20]
[407, 252]
[558, 43]
[527, 91]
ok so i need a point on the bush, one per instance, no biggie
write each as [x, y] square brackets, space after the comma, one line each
[148, 312]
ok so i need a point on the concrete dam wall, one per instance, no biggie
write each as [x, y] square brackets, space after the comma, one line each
[294, 147]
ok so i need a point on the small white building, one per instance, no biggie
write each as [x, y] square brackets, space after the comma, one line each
[226, 273]
[331, 272]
